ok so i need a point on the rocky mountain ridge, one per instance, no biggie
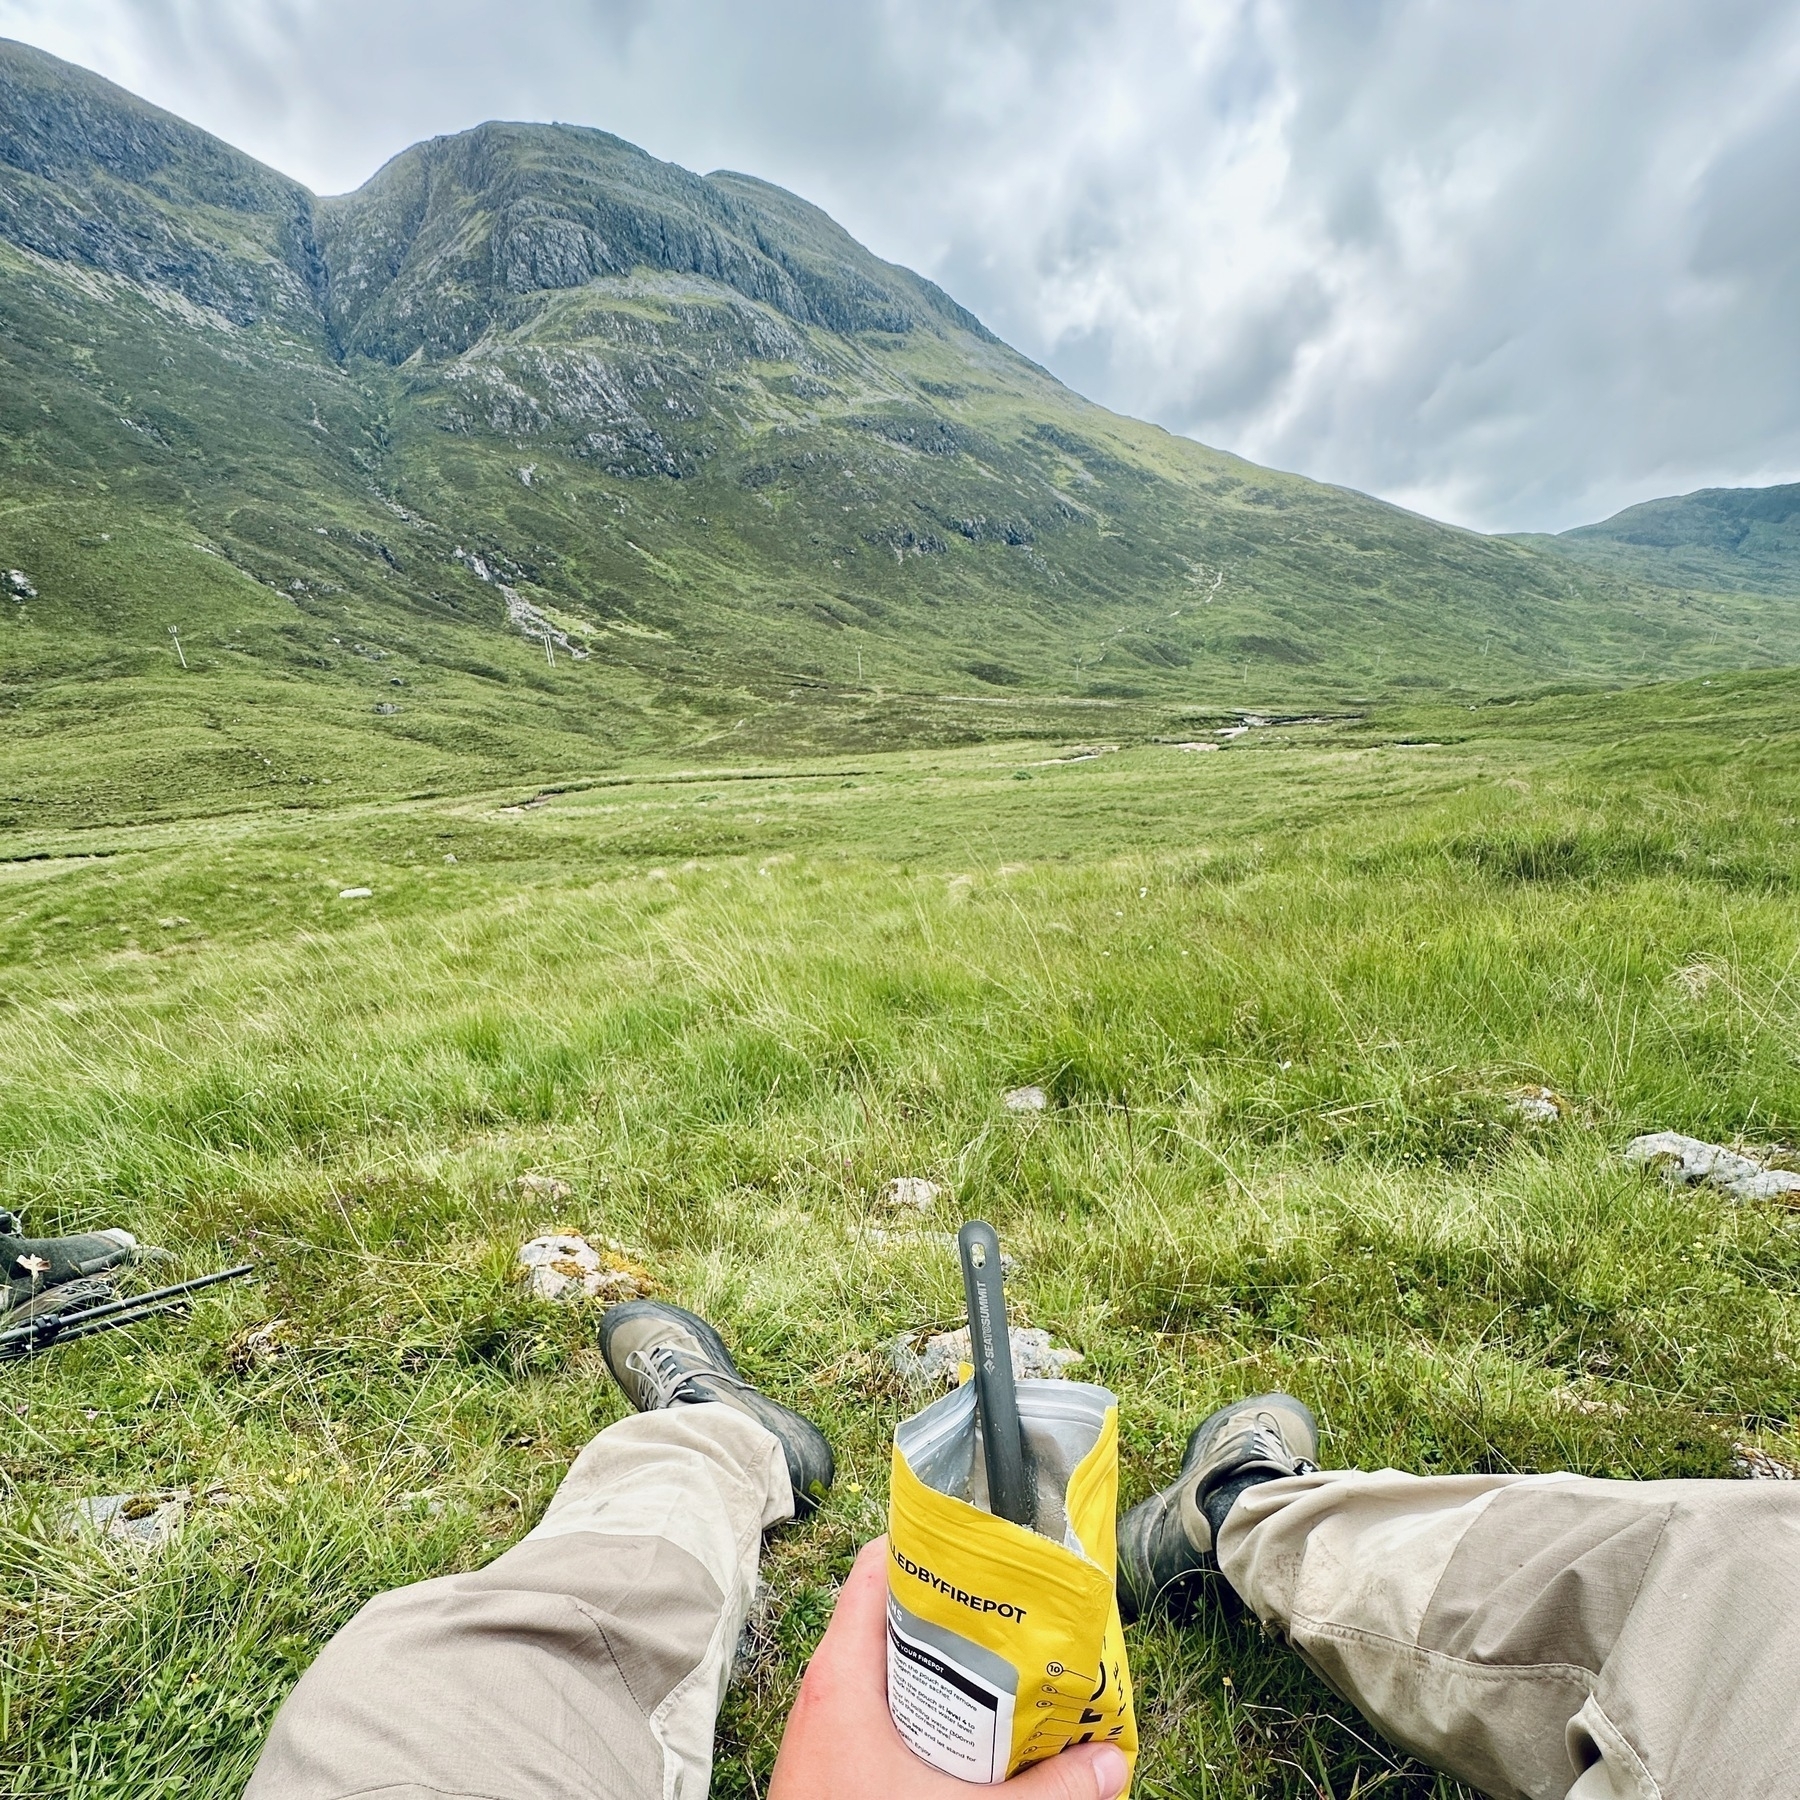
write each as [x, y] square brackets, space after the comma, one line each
[535, 452]
[94, 176]
[441, 244]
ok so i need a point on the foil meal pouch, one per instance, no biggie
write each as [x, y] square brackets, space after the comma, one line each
[1004, 1643]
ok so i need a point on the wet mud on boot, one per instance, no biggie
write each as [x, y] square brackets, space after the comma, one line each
[663, 1355]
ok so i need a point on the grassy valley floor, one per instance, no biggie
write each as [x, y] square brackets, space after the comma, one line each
[1280, 995]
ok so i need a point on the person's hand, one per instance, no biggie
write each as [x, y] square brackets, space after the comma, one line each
[840, 1740]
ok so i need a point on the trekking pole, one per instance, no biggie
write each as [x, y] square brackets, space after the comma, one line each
[1010, 1489]
[38, 1334]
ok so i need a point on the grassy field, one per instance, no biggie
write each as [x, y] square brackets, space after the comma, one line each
[1279, 994]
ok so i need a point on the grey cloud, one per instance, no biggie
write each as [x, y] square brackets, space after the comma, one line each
[1516, 265]
[1747, 218]
[1255, 356]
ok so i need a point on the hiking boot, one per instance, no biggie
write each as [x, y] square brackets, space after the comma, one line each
[46, 1308]
[1166, 1542]
[30, 1266]
[662, 1355]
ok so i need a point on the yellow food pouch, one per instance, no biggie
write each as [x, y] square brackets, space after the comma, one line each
[1004, 1643]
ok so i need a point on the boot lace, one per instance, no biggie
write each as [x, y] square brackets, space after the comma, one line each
[1262, 1441]
[669, 1375]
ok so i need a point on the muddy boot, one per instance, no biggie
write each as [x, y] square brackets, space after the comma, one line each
[34, 1268]
[662, 1356]
[1165, 1544]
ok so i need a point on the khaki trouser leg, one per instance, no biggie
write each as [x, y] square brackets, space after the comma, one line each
[1545, 1635]
[587, 1663]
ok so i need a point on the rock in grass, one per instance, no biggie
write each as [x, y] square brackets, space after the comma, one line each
[544, 1187]
[1692, 1161]
[564, 1266]
[932, 1359]
[1770, 1184]
[251, 1349]
[1025, 1099]
[20, 583]
[146, 1520]
[1537, 1105]
[911, 1193]
[1749, 1463]
[356, 893]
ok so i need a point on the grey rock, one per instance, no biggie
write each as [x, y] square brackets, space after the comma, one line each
[932, 1359]
[1694, 1162]
[98, 178]
[1537, 1105]
[564, 1266]
[1771, 1184]
[442, 246]
[1749, 1463]
[446, 240]
[145, 1520]
[1025, 1100]
[911, 1193]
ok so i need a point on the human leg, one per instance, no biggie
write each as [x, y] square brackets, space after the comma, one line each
[588, 1661]
[1543, 1636]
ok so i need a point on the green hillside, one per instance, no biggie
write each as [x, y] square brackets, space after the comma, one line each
[1730, 540]
[536, 453]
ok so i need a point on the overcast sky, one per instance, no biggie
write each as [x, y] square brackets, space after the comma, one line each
[1516, 263]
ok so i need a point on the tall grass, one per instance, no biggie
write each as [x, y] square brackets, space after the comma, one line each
[1280, 1149]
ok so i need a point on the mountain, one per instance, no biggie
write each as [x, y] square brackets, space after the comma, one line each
[1726, 540]
[535, 453]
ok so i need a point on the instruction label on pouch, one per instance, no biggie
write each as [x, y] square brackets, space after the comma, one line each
[948, 1713]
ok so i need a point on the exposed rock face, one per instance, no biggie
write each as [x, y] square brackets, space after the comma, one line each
[694, 433]
[91, 174]
[450, 238]
[465, 232]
